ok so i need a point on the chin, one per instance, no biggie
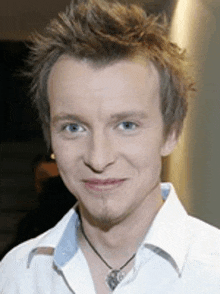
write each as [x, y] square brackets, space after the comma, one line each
[107, 222]
[104, 219]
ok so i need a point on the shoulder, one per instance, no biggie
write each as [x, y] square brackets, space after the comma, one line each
[18, 256]
[204, 243]
[14, 266]
[48, 238]
[204, 232]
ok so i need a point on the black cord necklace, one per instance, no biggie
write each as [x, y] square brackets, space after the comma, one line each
[115, 276]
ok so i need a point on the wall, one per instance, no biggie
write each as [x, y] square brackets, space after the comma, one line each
[18, 19]
[195, 164]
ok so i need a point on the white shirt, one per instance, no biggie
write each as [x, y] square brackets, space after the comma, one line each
[179, 255]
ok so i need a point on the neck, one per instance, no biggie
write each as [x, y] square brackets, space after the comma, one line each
[122, 238]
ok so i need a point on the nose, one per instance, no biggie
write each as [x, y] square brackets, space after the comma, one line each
[100, 153]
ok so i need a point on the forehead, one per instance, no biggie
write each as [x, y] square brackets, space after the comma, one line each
[123, 85]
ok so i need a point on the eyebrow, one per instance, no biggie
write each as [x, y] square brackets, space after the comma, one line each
[127, 114]
[116, 116]
[66, 116]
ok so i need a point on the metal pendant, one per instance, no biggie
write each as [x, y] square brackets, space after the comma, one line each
[114, 278]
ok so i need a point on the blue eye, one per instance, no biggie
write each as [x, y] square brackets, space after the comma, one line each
[74, 128]
[127, 125]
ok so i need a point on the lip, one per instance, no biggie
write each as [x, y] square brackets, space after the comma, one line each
[99, 185]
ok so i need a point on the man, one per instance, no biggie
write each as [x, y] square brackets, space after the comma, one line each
[112, 92]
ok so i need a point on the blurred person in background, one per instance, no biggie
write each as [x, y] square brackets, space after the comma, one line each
[53, 198]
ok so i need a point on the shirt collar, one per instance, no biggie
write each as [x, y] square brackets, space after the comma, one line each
[68, 244]
[60, 241]
[167, 232]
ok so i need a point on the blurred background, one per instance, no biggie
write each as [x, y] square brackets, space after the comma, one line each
[27, 172]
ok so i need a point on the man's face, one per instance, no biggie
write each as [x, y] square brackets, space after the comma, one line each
[107, 135]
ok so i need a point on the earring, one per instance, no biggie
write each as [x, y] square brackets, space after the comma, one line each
[52, 156]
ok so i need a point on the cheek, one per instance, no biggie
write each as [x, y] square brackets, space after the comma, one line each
[144, 156]
[64, 155]
[143, 149]
[147, 162]
[68, 170]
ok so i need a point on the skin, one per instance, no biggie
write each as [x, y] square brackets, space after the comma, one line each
[106, 123]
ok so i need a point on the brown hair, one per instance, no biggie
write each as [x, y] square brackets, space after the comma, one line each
[102, 33]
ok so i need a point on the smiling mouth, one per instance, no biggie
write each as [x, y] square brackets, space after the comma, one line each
[103, 185]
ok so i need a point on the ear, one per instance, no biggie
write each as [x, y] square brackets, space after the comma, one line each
[170, 143]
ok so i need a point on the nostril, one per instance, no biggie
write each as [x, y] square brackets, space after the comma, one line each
[96, 169]
[99, 162]
[99, 166]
